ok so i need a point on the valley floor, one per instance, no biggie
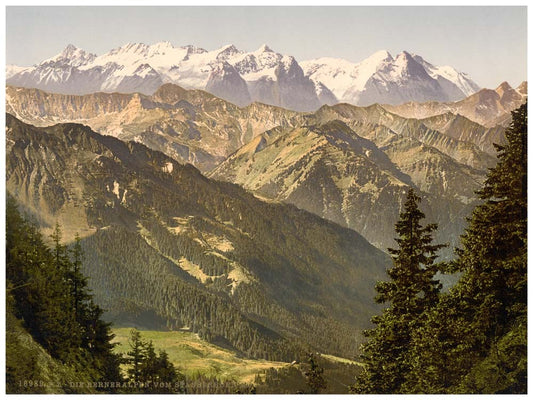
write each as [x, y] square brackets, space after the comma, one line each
[194, 356]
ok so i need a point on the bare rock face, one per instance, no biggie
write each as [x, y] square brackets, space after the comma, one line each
[225, 82]
[332, 171]
[487, 107]
[191, 126]
[296, 91]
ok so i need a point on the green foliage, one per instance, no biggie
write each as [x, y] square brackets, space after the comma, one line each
[39, 286]
[136, 355]
[315, 376]
[474, 338]
[504, 370]
[480, 324]
[135, 269]
[29, 367]
[21, 365]
[48, 294]
[412, 288]
[78, 282]
[211, 369]
[288, 380]
[155, 372]
[320, 375]
[411, 291]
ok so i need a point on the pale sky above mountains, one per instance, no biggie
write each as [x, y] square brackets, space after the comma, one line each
[488, 43]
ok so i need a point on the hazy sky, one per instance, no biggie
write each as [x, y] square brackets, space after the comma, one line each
[488, 43]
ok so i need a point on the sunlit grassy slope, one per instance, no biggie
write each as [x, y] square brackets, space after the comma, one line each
[193, 355]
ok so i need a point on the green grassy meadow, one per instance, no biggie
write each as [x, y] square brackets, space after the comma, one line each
[194, 356]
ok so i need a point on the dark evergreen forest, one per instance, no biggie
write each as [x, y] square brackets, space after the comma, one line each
[472, 338]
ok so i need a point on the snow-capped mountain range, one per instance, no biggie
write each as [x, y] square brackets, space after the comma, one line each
[244, 77]
[382, 78]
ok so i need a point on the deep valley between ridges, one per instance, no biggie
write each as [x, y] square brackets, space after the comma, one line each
[154, 224]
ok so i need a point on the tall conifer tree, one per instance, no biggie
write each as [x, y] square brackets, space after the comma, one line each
[410, 291]
[475, 339]
[41, 286]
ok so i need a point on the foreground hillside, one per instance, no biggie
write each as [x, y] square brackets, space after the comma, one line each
[56, 342]
[55, 336]
[167, 247]
[208, 368]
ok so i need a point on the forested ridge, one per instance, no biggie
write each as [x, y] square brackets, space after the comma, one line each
[56, 341]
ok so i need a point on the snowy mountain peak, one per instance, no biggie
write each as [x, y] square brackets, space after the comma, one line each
[241, 77]
[406, 66]
[383, 78]
[366, 68]
[457, 81]
[72, 56]
[191, 50]
[288, 61]
[161, 47]
[385, 54]
[69, 49]
[404, 54]
[131, 48]
[381, 55]
[226, 52]
[230, 48]
[420, 60]
[128, 50]
[222, 69]
[194, 49]
[404, 58]
[163, 44]
[264, 49]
